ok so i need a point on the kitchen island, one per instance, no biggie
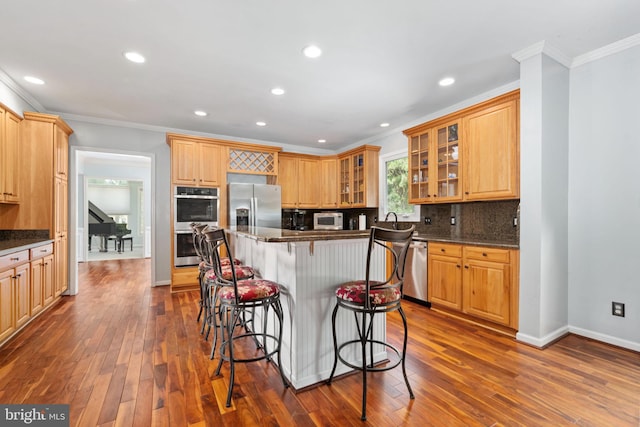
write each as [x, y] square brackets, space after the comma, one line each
[309, 265]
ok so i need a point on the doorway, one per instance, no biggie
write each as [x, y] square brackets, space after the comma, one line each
[116, 219]
[110, 176]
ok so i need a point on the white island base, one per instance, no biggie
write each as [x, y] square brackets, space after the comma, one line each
[309, 272]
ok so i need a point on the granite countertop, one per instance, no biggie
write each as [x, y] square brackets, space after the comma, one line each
[466, 241]
[265, 234]
[16, 245]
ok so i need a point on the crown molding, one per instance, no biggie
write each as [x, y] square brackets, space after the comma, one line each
[18, 90]
[540, 48]
[607, 50]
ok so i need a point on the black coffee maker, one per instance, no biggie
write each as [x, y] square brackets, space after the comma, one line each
[297, 220]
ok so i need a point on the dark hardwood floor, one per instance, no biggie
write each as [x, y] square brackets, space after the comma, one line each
[123, 353]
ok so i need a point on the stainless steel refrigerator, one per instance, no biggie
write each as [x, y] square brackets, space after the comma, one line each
[257, 205]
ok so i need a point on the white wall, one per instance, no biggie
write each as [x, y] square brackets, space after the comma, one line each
[544, 142]
[97, 137]
[604, 198]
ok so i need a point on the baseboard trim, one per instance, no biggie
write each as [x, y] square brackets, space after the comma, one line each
[618, 342]
[545, 341]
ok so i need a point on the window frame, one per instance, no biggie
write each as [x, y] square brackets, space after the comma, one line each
[383, 205]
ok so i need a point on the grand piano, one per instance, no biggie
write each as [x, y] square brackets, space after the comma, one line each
[103, 226]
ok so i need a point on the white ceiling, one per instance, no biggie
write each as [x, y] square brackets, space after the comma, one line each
[381, 59]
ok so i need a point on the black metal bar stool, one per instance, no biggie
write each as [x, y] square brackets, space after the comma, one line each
[234, 298]
[205, 272]
[368, 297]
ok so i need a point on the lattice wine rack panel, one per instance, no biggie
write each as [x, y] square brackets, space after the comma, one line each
[252, 161]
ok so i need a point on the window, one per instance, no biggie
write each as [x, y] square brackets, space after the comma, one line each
[394, 187]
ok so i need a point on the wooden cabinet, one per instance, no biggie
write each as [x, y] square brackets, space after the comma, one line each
[22, 285]
[358, 177]
[61, 267]
[195, 164]
[434, 170]
[288, 179]
[14, 292]
[481, 282]
[299, 179]
[487, 285]
[7, 316]
[42, 282]
[491, 152]
[469, 155]
[46, 166]
[445, 275]
[61, 156]
[329, 183]
[309, 187]
[26, 287]
[10, 153]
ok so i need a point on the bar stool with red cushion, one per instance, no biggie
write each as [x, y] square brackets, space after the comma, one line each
[367, 298]
[204, 275]
[235, 297]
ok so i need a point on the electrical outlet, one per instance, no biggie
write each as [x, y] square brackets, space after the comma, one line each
[515, 221]
[453, 220]
[375, 219]
[617, 308]
[427, 220]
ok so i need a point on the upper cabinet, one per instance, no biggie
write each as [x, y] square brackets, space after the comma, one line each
[9, 156]
[358, 177]
[435, 164]
[329, 187]
[204, 162]
[195, 164]
[299, 178]
[469, 155]
[491, 152]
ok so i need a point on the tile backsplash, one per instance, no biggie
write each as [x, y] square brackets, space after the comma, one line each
[474, 220]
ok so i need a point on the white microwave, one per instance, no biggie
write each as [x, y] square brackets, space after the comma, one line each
[327, 221]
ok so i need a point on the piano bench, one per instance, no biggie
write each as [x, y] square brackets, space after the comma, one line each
[130, 239]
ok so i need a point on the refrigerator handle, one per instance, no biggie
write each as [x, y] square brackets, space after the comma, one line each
[252, 212]
[255, 211]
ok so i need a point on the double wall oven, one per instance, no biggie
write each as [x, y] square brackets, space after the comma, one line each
[192, 204]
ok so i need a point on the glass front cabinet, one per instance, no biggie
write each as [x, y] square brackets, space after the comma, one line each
[358, 174]
[434, 173]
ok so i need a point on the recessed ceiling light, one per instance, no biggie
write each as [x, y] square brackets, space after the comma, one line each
[261, 123]
[322, 141]
[34, 80]
[134, 57]
[277, 91]
[384, 125]
[312, 51]
[200, 113]
[447, 81]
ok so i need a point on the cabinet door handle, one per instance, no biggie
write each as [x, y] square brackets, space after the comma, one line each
[15, 259]
[484, 254]
[466, 266]
[466, 192]
[442, 250]
[458, 265]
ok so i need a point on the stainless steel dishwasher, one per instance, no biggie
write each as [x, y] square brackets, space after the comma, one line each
[415, 276]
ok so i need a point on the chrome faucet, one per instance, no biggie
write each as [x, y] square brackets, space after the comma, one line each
[395, 222]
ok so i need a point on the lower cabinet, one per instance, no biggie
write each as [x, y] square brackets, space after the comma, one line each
[26, 287]
[61, 282]
[481, 282]
[41, 283]
[14, 292]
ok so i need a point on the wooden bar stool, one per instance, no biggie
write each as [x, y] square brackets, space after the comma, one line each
[367, 298]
